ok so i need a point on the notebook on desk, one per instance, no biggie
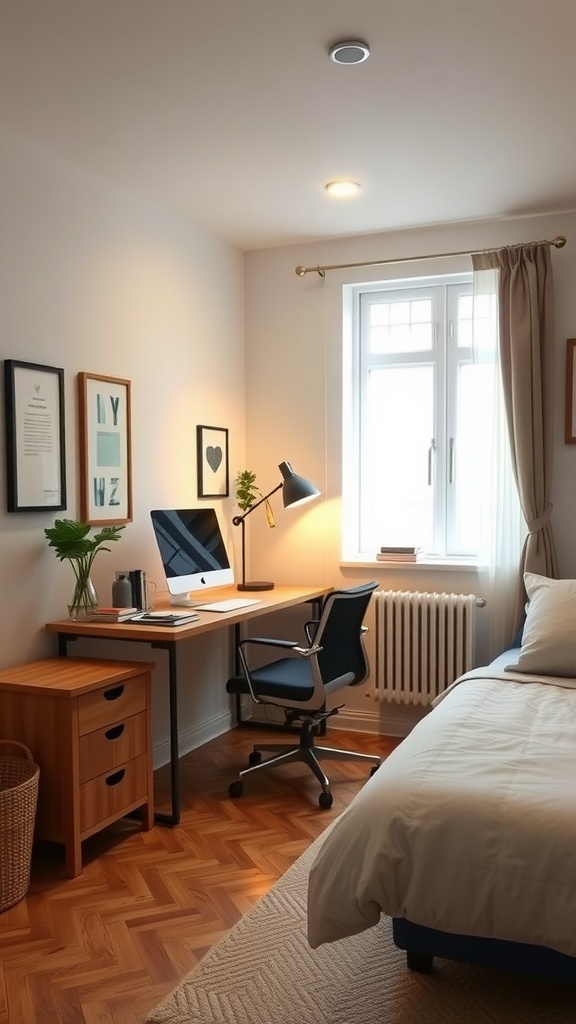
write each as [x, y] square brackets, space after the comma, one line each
[233, 604]
[164, 618]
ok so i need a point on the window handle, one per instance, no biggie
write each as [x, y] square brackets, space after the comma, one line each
[451, 461]
[431, 452]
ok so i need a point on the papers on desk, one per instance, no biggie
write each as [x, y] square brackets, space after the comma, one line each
[165, 618]
[181, 618]
[234, 604]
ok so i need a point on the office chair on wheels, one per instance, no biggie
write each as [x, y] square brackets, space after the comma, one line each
[299, 684]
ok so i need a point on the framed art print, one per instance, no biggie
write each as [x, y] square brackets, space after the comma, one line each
[35, 443]
[212, 461]
[105, 449]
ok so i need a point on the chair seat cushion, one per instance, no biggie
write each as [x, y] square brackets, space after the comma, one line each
[287, 678]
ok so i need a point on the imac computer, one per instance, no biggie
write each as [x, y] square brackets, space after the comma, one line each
[192, 550]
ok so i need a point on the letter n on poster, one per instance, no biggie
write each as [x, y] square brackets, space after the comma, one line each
[105, 449]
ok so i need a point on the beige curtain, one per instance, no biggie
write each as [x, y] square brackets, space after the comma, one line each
[526, 347]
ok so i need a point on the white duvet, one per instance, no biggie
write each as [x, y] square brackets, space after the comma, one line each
[469, 826]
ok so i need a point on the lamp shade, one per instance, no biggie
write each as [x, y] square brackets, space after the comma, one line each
[295, 489]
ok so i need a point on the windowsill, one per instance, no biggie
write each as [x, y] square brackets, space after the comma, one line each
[424, 565]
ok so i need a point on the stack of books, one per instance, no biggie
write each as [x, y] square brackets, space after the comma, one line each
[112, 614]
[398, 554]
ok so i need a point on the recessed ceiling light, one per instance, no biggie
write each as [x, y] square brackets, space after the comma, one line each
[342, 189]
[349, 51]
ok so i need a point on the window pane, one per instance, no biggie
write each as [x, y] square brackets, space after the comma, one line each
[379, 313]
[396, 500]
[400, 326]
[477, 322]
[472, 454]
[465, 307]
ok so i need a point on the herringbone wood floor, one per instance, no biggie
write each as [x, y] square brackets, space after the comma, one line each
[106, 947]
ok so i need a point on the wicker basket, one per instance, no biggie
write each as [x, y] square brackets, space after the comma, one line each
[18, 798]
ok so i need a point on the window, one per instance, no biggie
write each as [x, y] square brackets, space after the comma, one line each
[417, 417]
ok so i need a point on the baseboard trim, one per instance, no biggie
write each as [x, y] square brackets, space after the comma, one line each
[385, 720]
[194, 737]
[395, 720]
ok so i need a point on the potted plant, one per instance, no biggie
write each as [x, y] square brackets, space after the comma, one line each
[247, 494]
[70, 540]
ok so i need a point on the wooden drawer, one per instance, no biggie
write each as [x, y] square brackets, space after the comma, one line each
[107, 748]
[112, 793]
[111, 704]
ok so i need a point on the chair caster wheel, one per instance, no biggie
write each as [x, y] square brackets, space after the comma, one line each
[325, 800]
[235, 789]
[254, 758]
[374, 769]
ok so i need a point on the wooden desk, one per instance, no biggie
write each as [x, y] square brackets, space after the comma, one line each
[168, 637]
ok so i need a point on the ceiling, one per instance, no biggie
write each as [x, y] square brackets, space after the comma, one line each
[232, 111]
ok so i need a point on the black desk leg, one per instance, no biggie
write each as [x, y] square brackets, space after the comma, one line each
[174, 817]
[63, 639]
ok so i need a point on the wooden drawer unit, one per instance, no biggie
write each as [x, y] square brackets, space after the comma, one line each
[87, 722]
[110, 704]
[104, 798]
[107, 748]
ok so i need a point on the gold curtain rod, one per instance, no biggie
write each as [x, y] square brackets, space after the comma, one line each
[559, 242]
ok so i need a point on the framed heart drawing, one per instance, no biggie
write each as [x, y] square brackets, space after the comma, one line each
[212, 461]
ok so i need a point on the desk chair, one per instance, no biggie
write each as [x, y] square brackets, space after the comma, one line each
[334, 658]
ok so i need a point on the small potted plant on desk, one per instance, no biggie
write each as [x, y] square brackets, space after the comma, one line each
[247, 493]
[70, 540]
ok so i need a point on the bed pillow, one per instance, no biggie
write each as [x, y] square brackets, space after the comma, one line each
[549, 636]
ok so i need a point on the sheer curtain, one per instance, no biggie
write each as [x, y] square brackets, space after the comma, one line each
[503, 525]
[522, 422]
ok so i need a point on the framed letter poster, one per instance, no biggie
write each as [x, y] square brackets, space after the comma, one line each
[212, 457]
[35, 452]
[105, 449]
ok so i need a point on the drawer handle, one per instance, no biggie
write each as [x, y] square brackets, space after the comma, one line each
[114, 693]
[113, 780]
[114, 732]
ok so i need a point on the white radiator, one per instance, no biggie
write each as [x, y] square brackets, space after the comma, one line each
[423, 643]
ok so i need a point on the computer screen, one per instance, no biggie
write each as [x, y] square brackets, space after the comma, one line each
[192, 549]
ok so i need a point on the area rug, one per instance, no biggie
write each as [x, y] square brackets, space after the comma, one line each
[264, 972]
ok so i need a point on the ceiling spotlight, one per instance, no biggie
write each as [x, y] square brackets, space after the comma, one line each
[342, 189]
[349, 51]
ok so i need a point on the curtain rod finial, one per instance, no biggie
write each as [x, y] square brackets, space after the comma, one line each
[560, 241]
[302, 271]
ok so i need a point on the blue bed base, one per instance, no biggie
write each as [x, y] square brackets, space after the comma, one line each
[423, 944]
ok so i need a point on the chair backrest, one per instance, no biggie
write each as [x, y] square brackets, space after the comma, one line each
[342, 660]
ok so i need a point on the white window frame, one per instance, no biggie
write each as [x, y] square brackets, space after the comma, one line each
[445, 358]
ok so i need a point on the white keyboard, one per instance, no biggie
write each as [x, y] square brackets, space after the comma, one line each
[233, 604]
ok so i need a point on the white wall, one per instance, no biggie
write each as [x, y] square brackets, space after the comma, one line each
[93, 279]
[294, 385]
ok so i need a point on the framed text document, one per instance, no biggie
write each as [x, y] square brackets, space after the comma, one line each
[35, 445]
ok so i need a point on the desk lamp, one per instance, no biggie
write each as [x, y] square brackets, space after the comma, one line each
[295, 491]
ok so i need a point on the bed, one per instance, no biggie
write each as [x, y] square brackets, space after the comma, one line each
[466, 834]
